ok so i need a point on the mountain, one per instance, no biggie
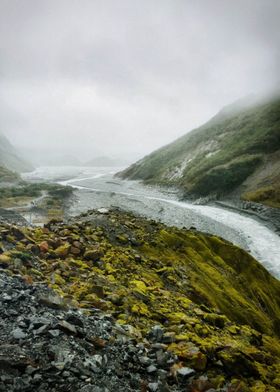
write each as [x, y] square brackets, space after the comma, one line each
[7, 176]
[10, 157]
[237, 150]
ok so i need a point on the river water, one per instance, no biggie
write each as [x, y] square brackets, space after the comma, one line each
[97, 187]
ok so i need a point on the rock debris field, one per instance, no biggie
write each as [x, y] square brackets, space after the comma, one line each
[47, 346]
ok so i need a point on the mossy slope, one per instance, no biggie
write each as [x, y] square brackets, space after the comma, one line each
[220, 308]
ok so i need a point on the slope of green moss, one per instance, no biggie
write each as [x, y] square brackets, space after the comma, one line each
[219, 156]
[219, 307]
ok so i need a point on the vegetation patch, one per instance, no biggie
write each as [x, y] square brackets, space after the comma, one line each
[20, 194]
[223, 179]
[269, 195]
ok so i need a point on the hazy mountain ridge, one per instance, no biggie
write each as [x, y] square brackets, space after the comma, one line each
[7, 176]
[10, 157]
[239, 147]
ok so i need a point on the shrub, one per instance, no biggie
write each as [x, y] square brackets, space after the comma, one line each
[225, 178]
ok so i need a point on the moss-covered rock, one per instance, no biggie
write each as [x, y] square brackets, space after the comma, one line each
[5, 260]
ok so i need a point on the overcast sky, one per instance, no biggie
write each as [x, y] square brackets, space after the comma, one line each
[91, 77]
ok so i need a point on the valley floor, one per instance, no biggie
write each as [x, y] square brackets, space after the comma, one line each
[97, 187]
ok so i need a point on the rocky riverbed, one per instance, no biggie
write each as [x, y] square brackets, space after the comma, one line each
[245, 226]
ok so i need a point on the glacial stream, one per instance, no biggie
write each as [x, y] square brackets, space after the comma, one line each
[97, 187]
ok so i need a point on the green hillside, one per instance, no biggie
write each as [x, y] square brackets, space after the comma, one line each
[10, 157]
[237, 145]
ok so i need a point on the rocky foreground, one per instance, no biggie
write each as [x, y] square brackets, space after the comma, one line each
[48, 346]
[113, 302]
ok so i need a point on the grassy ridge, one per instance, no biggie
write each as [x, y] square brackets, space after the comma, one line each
[217, 157]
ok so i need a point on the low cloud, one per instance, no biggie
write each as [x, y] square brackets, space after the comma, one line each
[123, 78]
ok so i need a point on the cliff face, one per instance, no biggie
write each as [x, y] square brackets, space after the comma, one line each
[237, 149]
[214, 306]
[10, 158]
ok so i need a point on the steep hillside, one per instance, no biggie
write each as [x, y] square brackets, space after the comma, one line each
[10, 158]
[239, 147]
[194, 295]
[7, 176]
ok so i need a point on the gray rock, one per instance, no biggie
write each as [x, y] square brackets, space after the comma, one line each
[146, 361]
[185, 372]
[98, 359]
[37, 377]
[41, 330]
[103, 210]
[37, 322]
[156, 333]
[65, 326]
[59, 365]
[151, 369]
[18, 334]
[6, 297]
[94, 364]
[153, 386]
[162, 358]
[91, 388]
[54, 332]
